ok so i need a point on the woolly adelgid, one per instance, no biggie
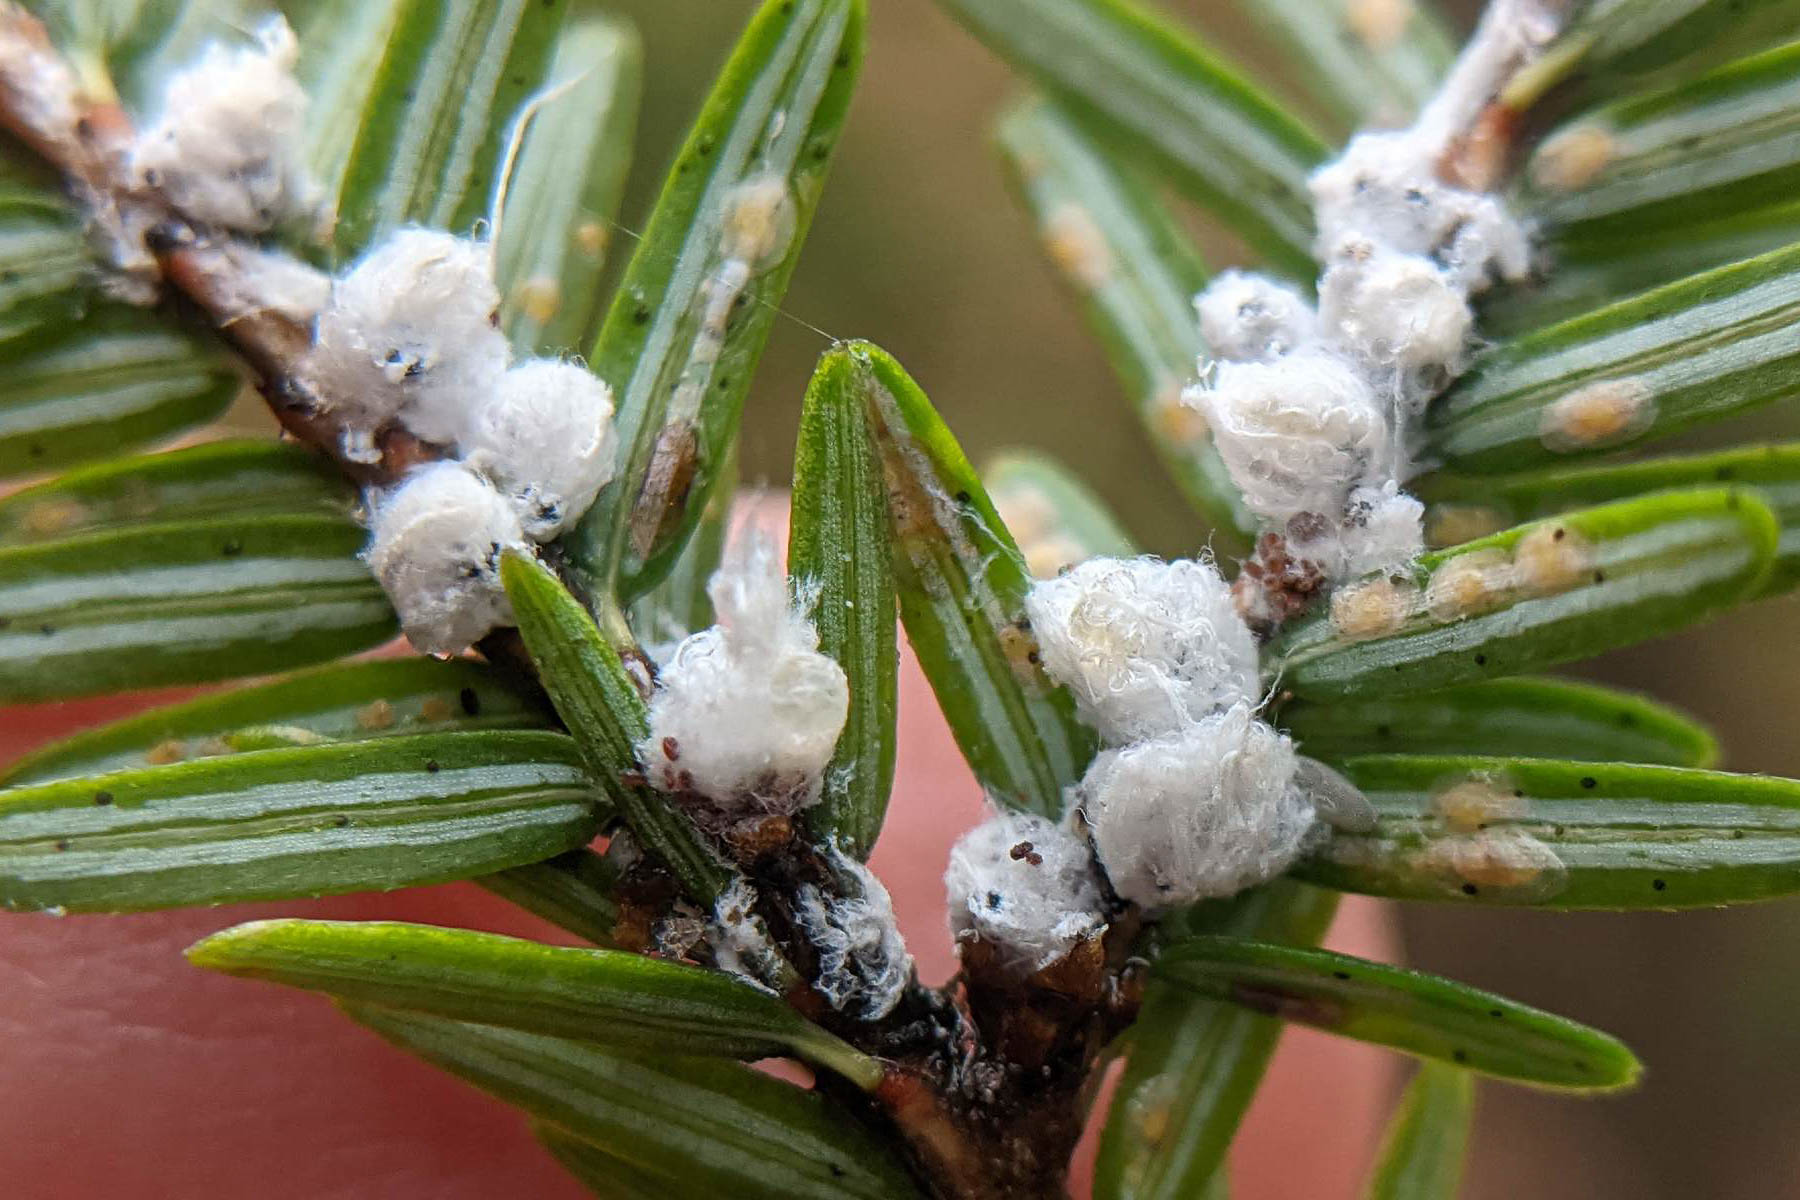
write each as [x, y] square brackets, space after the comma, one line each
[639, 722]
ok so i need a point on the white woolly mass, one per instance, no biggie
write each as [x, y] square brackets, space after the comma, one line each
[269, 281]
[739, 940]
[1146, 646]
[226, 147]
[864, 965]
[545, 437]
[748, 712]
[1297, 433]
[1026, 885]
[1250, 317]
[435, 544]
[1405, 238]
[409, 333]
[1394, 309]
[1384, 529]
[1204, 812]
[1384, 188]
[1489, 244]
